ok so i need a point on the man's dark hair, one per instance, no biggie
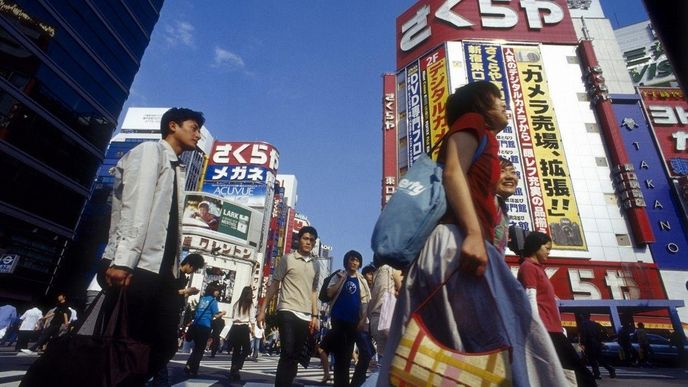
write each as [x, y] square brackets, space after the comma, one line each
[308, 229]
[475, 97]
[368, 269]
[179, 115]
[195, 260]
[352, 254]
[534, 241]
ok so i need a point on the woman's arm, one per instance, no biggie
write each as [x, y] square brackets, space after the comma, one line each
[460, 149]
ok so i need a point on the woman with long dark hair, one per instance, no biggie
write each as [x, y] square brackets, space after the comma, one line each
[544, 304]
[481, 307]
[243, 318]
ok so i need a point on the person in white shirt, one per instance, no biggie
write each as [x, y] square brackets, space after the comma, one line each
[28, 327]
[258, 334]
[243, 317]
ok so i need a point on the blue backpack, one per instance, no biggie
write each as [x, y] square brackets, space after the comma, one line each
[412, 212]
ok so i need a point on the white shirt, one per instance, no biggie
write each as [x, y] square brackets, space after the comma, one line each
[30, 319]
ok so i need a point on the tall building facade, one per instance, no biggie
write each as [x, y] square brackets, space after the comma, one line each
[65, 72]
[615, 252]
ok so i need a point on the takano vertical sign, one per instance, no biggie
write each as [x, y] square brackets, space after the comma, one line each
[431, 22]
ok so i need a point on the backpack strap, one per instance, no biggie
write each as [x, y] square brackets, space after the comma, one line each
[481, 148]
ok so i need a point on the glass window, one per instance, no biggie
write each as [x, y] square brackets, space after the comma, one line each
[31, 190]
[27, 131]
[144, 13]
[72, 58]
[125, 26]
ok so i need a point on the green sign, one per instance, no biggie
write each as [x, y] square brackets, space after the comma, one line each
[234, 221]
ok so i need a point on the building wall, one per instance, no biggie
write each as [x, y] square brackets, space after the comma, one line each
[65, 72]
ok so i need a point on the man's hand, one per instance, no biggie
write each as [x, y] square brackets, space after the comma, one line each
[361, 325]
[260, 319]
[117, 277]
[314, 325]
[191, 291]
[473, 258]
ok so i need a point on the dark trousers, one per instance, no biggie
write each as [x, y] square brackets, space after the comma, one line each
[366, 351]
[293, 333]
[153, 306]
[46, 334]
[200, 338]
[240, 337]
[569, 359]
[594, 354]
[214, 343]
[23, 339]
[340, 342]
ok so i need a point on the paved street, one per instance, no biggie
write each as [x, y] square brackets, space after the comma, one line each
[262, 373]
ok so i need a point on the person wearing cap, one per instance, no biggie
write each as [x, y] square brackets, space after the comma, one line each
[350, 295]
[142, 254]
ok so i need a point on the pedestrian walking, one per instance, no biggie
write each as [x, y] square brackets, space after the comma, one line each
[243, 314]
[257, 341]
[297, 309]
[28, 327]
[591, 339]
[645, 352]
[629, 354]
[386, 285]
[142, 254]
[448, 279]
[206, 310]
[54, 321]
[543, 303]
[350, 295]
[216, 328]
[8, 313]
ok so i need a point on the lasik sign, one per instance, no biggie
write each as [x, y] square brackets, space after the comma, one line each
[431, 22]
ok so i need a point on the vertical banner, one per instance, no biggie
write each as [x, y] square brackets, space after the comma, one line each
[402, 127]
[484, 62]
[546, 168]
[435, 68]
[414, 113]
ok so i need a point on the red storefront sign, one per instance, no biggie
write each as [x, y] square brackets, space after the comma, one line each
[574, 279]
[431, 22]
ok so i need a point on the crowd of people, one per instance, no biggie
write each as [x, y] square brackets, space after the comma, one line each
[459, 286]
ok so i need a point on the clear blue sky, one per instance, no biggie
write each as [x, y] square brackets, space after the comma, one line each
[304, 76]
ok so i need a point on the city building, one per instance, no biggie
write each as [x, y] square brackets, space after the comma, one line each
[644, 56]
[616, 246]
[65, 72]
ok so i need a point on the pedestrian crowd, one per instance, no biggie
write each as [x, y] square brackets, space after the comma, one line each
[458, 299]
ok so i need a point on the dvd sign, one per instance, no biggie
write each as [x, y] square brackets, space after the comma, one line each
[431, 22]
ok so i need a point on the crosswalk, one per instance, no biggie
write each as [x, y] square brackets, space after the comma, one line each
[264, 367]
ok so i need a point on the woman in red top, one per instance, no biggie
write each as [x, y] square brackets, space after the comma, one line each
[482, 307]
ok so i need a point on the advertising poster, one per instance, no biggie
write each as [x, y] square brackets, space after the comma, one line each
[225, 174]
[546, 168]
[414, 113]
[223, 278]
[246, 194]
[484, 62]
[209, 212]
[667, 109]
[519, 211]
[435, 70]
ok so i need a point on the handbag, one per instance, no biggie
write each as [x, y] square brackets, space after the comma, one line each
[421, 360]
[413, 211]
[98, 354]
[389, 301]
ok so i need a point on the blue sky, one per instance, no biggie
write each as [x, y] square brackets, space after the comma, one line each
[304, 76]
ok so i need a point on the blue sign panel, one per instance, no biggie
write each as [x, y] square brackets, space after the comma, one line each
[671, 246]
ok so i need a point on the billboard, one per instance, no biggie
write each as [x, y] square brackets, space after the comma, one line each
[435, 92]
[389, 137]
[546, 169]
[215, 215]
[667, 109]
[260, 154]
[429, 23]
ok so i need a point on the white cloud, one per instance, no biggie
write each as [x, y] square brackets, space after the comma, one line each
[227, 59]
[181, 33]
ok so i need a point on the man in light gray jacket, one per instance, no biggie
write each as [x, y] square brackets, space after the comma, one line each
[142, 254]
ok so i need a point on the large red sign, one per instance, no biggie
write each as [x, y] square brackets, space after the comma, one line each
[389, 137]
[667, 110]
[245, 153]
[431, 22]
[574, 279]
